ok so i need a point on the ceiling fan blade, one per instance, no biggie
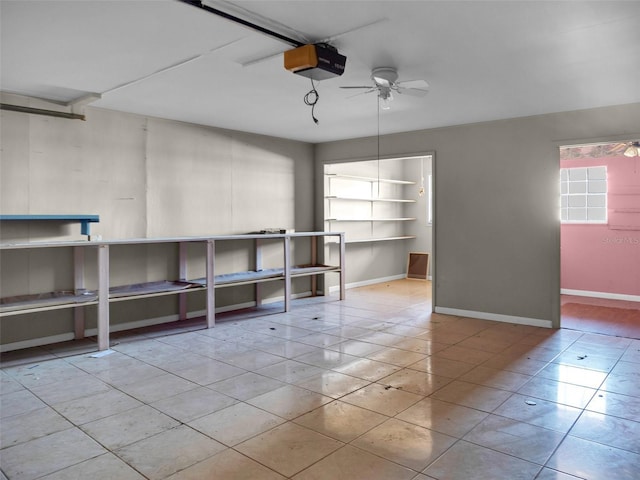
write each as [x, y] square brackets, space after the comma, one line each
[419, 84]
[362, 93]
[620, 147]
[414, 92]
[358, 86]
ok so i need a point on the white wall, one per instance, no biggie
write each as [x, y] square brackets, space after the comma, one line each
[497, 247]
[148, 177]
[145, 177]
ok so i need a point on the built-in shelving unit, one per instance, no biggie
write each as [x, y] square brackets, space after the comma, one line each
[368, 209]
[79, 296]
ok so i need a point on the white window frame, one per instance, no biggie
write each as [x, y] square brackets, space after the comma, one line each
[583, 195]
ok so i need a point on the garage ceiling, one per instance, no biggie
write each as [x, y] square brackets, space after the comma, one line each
[483, 60]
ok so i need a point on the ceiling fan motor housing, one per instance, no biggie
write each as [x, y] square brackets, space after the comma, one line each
[384, 76]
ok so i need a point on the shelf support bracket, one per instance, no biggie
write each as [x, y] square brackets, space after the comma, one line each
[103, 297]
[211, 283]
[182, 273]
[78, 284]
[287, 273]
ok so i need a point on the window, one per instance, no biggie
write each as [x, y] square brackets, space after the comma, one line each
[583, 195]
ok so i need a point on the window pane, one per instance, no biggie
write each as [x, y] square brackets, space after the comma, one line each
[577, 201]
[577, 214]
[577, 174]
[598, 186]
[598, 214]
[577, 187]
[597, 201]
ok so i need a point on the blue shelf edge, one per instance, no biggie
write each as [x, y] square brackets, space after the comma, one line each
[84, 220]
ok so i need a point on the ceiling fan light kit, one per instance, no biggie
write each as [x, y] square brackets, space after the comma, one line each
[633, 150]
[384, 76]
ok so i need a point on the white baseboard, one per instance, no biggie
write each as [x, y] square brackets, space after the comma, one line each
[534, 322]
[610, 296]
[364, 283]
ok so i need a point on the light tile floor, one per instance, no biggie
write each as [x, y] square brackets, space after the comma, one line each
[371, 388]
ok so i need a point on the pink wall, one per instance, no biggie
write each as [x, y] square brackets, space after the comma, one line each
[606, 258]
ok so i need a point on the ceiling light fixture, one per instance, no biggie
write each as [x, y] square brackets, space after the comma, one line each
[386, 96]
[633, 150]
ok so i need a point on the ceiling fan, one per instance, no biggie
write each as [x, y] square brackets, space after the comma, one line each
[385, 83]
[628, 149]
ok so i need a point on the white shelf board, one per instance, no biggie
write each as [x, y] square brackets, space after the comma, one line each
[370, 179]
[360, 199]
[373, 240]
[408, 219]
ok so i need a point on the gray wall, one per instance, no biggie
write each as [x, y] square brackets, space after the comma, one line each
[497, 248]
[496, 241]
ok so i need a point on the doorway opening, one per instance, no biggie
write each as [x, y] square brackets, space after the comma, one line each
[600, 239]
[385, 208]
